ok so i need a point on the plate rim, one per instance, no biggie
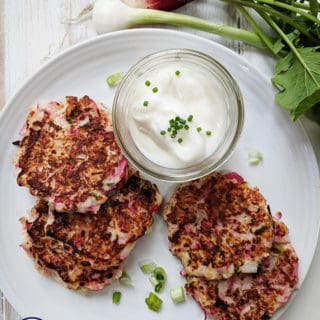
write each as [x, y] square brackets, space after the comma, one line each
[186, 35]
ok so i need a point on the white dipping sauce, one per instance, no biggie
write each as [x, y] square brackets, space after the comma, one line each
[192, 92]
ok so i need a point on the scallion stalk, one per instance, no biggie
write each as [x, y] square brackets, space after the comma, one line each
[114, 15]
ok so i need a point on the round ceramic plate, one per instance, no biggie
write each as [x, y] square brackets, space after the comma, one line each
[287, 176]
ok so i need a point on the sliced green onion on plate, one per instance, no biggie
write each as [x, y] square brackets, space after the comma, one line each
[153, 302]
[116, 296]
[125, 280]
[114, 79]
[177, 294]
[147, 266]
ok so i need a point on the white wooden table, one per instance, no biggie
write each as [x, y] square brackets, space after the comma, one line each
[33, 31]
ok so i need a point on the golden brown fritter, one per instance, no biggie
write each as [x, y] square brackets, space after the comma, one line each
[219, 225]
[251, 296]
[69, 156]
[86, 250]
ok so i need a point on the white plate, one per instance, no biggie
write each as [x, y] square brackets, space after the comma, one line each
[288, 176]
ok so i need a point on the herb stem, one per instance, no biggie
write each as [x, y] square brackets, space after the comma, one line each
[290, 8]
[264, 37]
[278, 14]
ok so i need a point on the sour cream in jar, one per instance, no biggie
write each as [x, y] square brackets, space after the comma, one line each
[178, 115]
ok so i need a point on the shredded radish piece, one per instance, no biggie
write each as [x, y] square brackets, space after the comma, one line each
[234, 176]
[182, 273]
[205, 313]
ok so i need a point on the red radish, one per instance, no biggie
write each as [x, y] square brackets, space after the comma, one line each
[156, 4]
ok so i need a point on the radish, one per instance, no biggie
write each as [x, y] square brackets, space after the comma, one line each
[156, 4]
[112, 15]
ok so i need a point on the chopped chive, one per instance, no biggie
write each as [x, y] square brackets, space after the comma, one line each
[147, 83]
[186, 127]
[169, 129]
[199, 129]
[178, 72]
[162, 132]
[145, 103]
[171, 121]
[116, 297]
[180, 140]
[190, 118]
[155, 89]
[153, 302]
[173, 135]
[114, 79]
[175, 132]
[178, 118]
[208, 133]
[182, 121]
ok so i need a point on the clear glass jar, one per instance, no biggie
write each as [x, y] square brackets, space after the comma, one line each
[198, 62]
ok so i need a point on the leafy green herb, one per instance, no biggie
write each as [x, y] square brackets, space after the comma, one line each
[178, 72]
[155, 89]
[145, 103]
[147, 83]
[299, 84]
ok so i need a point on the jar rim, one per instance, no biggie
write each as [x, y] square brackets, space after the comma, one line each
[207, 165]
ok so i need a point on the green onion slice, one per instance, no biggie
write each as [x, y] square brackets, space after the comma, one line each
[153, 302]
[153, 280]
[114, 79]
[158, 287]
[160, 274]
[255, 157]
[116, 297]
[147, 266]
[177, 294]
[125, 280]
[148, 231]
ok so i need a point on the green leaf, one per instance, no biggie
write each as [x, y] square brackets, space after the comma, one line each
[299, 84]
